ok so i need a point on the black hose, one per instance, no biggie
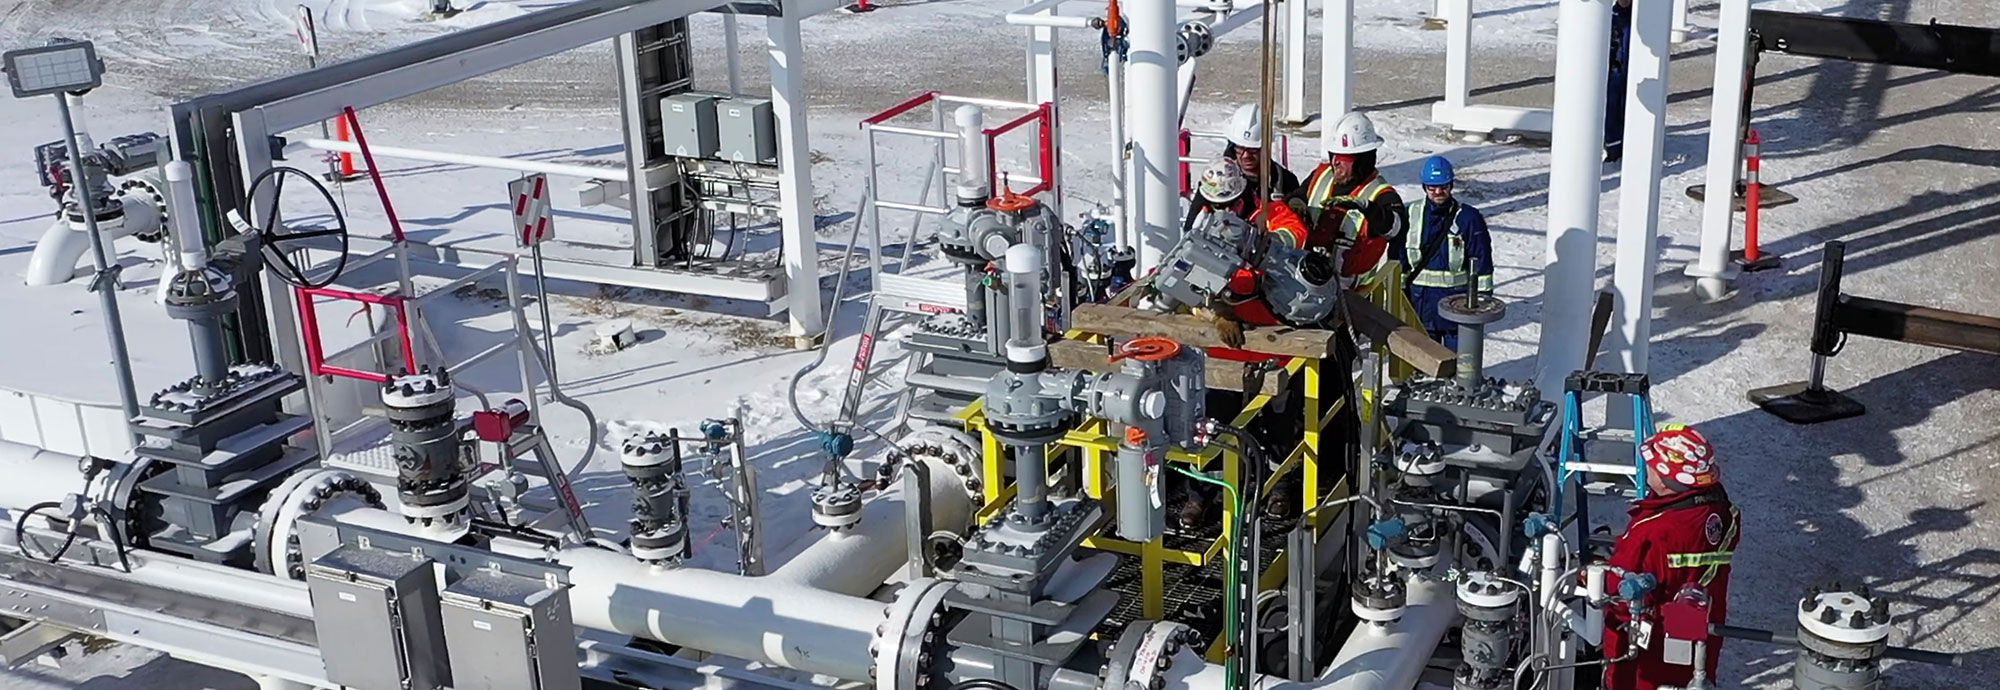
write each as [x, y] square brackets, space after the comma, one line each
[980, 684]
[21, 531]
[117, 537]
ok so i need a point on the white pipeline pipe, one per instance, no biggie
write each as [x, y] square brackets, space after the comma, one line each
[1375, 657]
[1121, 219]
[1576, 159]
[1336, 88]
[858, 559]
[589, 172]
[1712, 270]
[1043, 14]
[1151, 106]
[755, 619]
[1639, 188]
[32, 475]
[54, 261]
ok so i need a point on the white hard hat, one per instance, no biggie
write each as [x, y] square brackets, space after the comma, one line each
[1355, 133]
[1222, 182]
[1245, 128]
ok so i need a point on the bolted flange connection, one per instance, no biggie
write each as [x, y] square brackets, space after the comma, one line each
[430, 482]
[652, 463]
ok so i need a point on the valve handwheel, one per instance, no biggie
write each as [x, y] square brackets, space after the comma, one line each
[1148, 348]
[279, 240]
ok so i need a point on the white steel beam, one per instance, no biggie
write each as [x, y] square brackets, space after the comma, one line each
[1336, 87]
[1575, 175]
[1042, 60]
[1639, 189]
[795, 190]
[1294, 18]
[1712, 271]
[372, 89]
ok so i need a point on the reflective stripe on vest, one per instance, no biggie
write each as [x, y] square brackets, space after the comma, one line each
[1320, 196]
[1413, 251]
[1712, 560]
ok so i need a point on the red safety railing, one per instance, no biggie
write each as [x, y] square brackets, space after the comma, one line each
[1045, 144]
[316, 348]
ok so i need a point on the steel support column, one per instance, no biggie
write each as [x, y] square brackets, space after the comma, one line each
[1294, 80]
[1336, 45]
[795, 191]
[1575, 184]
[1712, 270]
[1639, 191]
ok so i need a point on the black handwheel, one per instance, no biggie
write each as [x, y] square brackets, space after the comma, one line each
[278, 240]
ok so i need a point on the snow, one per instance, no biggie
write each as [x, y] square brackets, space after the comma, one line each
[1899, 163]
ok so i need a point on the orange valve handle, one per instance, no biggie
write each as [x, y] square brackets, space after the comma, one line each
[1149, 348]
[1010, 202]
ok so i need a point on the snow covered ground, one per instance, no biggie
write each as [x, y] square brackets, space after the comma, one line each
[1899, 163]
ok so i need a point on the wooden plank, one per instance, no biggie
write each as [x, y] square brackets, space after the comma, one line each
[1221, 374]
[1199, 331]
[1406, 342]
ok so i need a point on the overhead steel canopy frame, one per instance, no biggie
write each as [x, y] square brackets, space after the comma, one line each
[226, 135]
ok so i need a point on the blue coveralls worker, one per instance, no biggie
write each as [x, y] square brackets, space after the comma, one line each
[1447, 245]
[1615, 80]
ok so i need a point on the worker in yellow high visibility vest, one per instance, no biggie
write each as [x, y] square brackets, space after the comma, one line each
[1345, 202]
[1447, 246]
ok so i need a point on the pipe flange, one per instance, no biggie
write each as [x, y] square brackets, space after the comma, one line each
[274, 540]
[836, 506]
[407, 391]
[951, 447]
[902, 645]
[146, 192]
[1488, 309]
[1195, 40]
[1843, 624]
[1483, 596]
[1142, 654]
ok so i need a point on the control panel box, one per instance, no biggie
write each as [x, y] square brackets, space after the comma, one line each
[383, 608]
[687, 125]
[746, 131]
[509, 632]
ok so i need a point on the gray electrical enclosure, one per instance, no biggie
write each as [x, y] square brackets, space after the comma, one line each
[508, 632]
[376, 613]
[746, 130]
[687, 125]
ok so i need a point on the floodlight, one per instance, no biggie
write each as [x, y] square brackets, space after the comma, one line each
[59, 67]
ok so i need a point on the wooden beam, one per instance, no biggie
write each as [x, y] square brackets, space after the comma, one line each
[1406, 342]
[1199, 331]
[1221, 374]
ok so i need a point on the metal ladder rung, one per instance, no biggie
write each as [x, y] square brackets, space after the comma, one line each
[1603, 468]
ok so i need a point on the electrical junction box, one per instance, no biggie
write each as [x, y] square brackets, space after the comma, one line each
[746, 130]
[687, 125]
[510, 632]
[376, 614]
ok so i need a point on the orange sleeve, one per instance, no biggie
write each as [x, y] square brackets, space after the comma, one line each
[1284, 220]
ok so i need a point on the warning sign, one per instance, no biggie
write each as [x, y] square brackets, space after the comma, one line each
[532, 217]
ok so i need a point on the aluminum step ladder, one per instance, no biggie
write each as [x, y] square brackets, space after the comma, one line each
[1622, 477]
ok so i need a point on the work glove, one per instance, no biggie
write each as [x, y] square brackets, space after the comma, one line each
[1229, 330]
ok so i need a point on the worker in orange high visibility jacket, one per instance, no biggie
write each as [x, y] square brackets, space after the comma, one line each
[1682, 535]
[1345, 201]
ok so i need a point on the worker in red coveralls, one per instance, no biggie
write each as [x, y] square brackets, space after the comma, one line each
[1682, 535]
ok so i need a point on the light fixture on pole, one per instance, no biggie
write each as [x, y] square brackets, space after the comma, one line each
[67, 69]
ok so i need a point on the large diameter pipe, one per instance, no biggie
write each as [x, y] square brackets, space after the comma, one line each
[589, 172]
[1375, 657]
[1711, 270]
[1576, 158]
[1151, 106]
[858, 559]
[765, 621]
[1639, 190]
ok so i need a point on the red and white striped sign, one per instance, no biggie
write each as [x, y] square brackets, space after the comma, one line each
[303, 28]
[533, 221]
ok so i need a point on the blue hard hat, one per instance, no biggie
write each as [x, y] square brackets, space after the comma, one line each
[1437, 171]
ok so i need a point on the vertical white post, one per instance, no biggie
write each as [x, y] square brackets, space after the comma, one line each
[1151, 107]
[729, 47]
[1457, 53]
[1575, 175]
[795, 190]
[1121, 167]
[1042, 60]
[1678, 27]
[1336, 91]
[1295, 61]
[1712, 271]
[1639, 187]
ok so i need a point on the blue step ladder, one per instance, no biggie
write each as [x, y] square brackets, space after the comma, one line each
[1622, 478]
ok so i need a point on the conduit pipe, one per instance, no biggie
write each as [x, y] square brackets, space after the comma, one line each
[63, 244]
[589, 172]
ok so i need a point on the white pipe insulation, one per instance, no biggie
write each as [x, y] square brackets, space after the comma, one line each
[1375, 657]
[1151, 106]
[588, 172]
[63, 244]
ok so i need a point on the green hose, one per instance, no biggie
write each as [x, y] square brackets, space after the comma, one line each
[1230, 603]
